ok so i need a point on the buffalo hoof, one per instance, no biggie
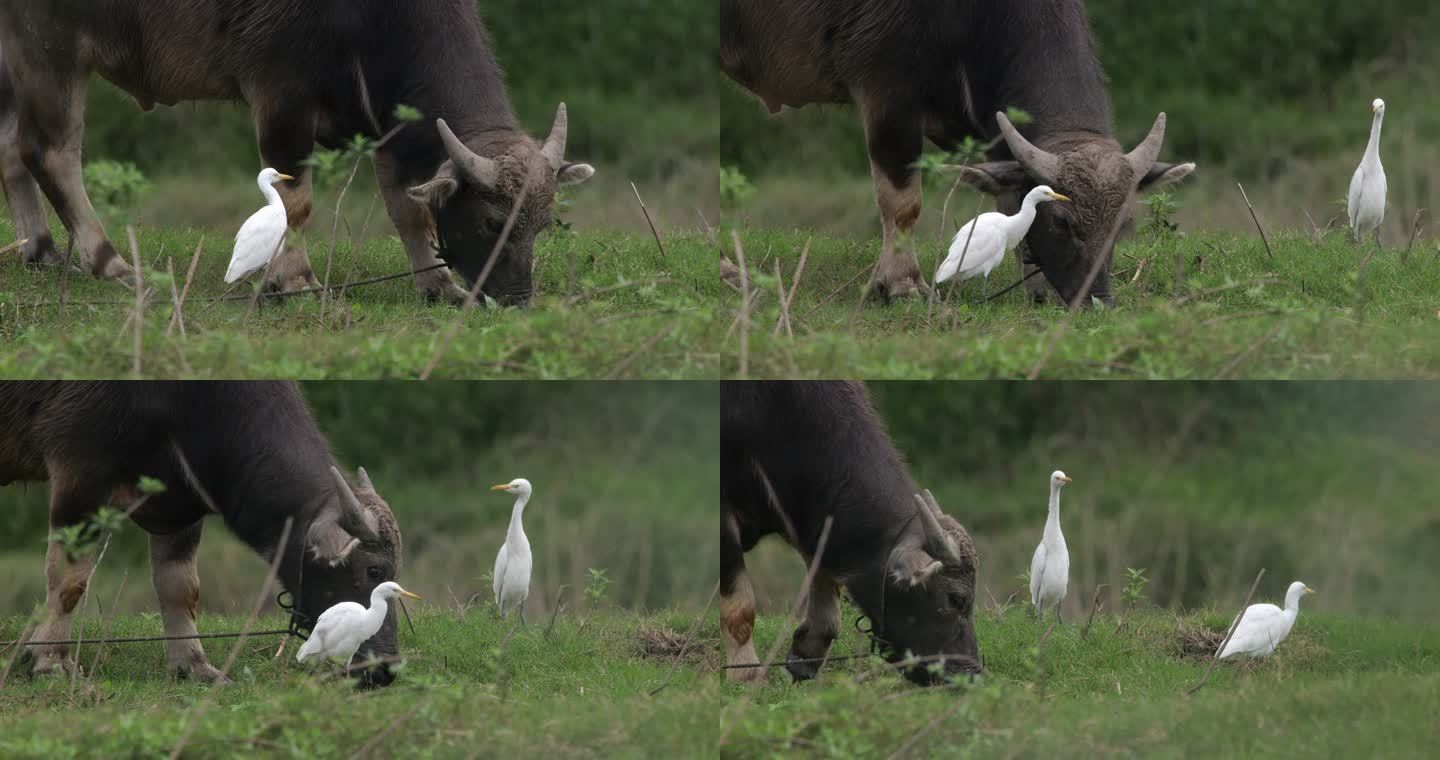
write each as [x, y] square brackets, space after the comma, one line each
[42, 252]
[52, 665]
[910, 286]
[116, 269]
[290, 272]
[447, 292]
[202, 672]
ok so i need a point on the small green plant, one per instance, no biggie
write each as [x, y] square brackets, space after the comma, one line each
[1159, 207]
[114, 187]
[735, 188]
[329, 166]
[595, 586]
[81, 538]
[1135, 583]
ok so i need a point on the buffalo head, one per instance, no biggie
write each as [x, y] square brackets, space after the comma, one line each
[472, 194]
[1068, 241]
[351, 546]
[927, 604]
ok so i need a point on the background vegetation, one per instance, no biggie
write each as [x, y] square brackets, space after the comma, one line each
[1275, 95]
[626, 481]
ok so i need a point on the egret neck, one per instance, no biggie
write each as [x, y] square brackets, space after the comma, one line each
[1015, 229]
[1372, 151]
[272, 196]
[518, 545]
[1053, 536]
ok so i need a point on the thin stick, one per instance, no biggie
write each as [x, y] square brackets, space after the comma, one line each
[1233, 625]
[334, 232]
[646, 211]
[104, 632]
[1014, 285]
[686, 644]
[14, 246]
[559, 605]
[89, 578]
[1313, 226]
[744, 306]
[1414, 230]
[784, 319]
[174, 295]
[836, 292]
[15, 655]
[612, 288]
[139, 300]
[179, 318]
[619, 369]
[799, 270]
[64, 276]
[1263, 238]
[193, 718]
[926, 729]
[803, 596]
[1094, 607]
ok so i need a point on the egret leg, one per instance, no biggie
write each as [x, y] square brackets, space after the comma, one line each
[985, 289]
[1058, 619]
[522, 616]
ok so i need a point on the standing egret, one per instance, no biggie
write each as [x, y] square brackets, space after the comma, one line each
[512, 563]
[343, 628]
[1050, 567]
[1263, 626]
[1367, 187]
[262, 235]
[995, 233]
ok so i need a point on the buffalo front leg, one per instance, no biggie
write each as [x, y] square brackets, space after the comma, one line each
[177, 584]
[737, 609]
[894, 140]
[822, 623]
[414, 224]
[287, 137]
[66, 579]
[23, 194]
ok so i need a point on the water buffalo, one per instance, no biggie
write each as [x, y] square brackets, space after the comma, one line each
[938, 69]
[249, 451]
[794, 453]
[310, 72]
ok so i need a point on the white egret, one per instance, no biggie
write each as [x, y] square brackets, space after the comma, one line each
[343, 628]
[512, 563]
[262, 235]
[1050, 567]
[1263, 626]
[995, 233]
[1367, 186]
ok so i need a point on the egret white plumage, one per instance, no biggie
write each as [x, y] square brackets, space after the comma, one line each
[994, 234]
[1367, 186]
[262, 235]
[512, 563]
[1050, 567]
[343, 628]
[1263, 626]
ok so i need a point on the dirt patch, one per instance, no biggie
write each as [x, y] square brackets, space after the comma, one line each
[1197, 641]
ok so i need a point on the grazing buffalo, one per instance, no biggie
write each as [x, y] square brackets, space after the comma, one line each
[939, 69]
[793, 454]
[248, 451]
[311, 72]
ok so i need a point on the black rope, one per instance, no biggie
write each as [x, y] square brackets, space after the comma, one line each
[300, 624]
[796, 662]
[1014, 286]
[133, 639]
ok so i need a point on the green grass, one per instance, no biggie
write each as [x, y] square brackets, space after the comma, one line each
[1206, 305]
[627, 313]
[1338, 687]
[581, 693]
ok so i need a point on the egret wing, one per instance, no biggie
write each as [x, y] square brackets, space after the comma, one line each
[987, 244]
[1357, 192]
[501, 561]
[1253, 633]
[1037, 570]
[258, 241]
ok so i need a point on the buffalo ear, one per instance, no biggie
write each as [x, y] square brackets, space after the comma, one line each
[994, 177]
[574, 174]
[439, 190]
[1162, 174]
[329, 542]
[913, 567]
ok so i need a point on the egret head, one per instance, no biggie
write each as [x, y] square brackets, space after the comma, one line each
[390, 590]
[470, 199]
[1043, 193]
[927, 605]
[271, 177]
[1378, 106]
[1297, 590]
[351, 546]
[1058, 479]
[519, 487]
[1070, 240]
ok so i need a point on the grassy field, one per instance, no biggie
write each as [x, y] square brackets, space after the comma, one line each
[607, 305]
[1338, 687]
[1199, 305]
[465, 691]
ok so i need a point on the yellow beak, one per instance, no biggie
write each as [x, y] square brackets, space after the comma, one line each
[285, 176]
[416, 597]
[1058, 197]
[1309, 590]
[1064, 479]
[501, 487]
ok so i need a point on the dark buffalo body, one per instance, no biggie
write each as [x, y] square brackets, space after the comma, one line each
[311, 71]
[795, 453]
[942, 69]
[249, 451]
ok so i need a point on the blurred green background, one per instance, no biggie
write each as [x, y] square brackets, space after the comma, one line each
[626, 479]
[635, 74]
[1274, 94]
[1201, 484]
